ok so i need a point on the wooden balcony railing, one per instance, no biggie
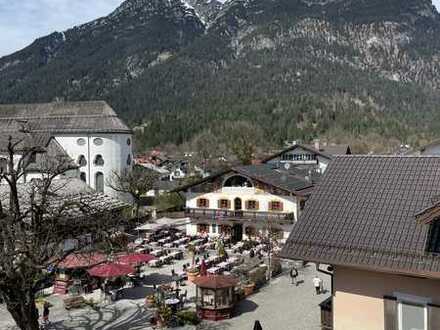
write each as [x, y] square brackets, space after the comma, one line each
[215, 214]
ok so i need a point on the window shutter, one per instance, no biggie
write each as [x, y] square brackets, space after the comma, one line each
[229, 204]
[270, 206]
[433, 317]
[257, 205]
[390, 313]
[246, 205]
[219, 204]
[281, 206]
[207, 203]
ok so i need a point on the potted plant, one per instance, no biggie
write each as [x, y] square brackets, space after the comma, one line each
[150, 301]
[248, 287]
[192, 272]
[164, 315]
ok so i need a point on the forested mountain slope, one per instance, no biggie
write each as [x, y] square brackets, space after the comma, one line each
[293, 68]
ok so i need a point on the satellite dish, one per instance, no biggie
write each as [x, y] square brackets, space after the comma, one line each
[286, 166]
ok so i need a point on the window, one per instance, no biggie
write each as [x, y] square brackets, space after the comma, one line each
[82, 161]
[224, 204]
[214, 228]
[252, 205]
[81, 142]
[99, 182]
[202, 202]
[202, 229]
[275, 206]
[83, 176]
[128, 142]
[412, 316]
[3, 165]
[302, 205]
[129, 160]
[98, 142]
[99, 161]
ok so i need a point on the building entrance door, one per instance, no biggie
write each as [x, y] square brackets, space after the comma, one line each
[237, 204]
[237, 233]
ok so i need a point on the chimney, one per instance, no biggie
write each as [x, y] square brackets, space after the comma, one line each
[317, 146]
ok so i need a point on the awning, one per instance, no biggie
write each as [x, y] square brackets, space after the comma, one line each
[82, 260]
[111, 270]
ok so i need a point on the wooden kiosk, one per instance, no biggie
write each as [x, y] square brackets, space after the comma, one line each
[215, 298]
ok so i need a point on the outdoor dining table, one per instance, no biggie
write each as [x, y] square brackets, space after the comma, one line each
[232, 260]
[200, 248]
[157, 253]
[176, 254]
[154, 244]
[168, 245]
[165, 259]
[214, 270]
[154, 263]
[197, 241]
[224, 265]
[173, 303]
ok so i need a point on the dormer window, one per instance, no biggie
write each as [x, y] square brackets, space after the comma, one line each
[99, 161]
[203, 203]
[237, 181]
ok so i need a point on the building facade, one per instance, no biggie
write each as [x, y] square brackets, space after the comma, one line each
[89, 133]
[246, 202]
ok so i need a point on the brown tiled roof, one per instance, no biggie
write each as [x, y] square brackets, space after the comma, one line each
[216, 281]
[61, 117]
[363, 214]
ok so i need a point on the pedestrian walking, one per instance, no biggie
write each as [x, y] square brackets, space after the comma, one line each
[46, 310]
[317, 284]
[294, 276]
[257, 325]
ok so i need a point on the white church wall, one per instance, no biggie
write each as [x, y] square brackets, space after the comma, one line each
[115, 150]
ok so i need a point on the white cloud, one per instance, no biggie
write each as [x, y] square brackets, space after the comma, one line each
[436, 3]
[22, 21]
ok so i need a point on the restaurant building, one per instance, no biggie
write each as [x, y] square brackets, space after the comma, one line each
[375, 220]
[247, 201]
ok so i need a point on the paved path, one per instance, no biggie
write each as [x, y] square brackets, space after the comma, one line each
[277, 306]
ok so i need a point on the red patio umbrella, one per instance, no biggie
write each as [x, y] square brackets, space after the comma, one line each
[82, 260]
[135, 258]
[203, 268]
[111, 270]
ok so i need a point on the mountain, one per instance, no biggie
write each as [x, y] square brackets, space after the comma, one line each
[344, 69]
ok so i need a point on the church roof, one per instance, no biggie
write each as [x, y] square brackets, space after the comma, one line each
[61, 117]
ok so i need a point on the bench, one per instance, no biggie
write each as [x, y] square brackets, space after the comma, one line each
[74, 302]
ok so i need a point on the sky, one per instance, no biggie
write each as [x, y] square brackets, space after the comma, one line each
[22, 21]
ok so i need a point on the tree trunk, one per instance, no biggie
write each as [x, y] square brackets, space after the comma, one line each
[21, 305]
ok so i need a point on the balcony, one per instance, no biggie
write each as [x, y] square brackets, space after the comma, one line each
[215, 214]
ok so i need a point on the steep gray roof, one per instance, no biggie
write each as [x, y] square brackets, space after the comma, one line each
[61, 117]
[62, 191]
[363, 214]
